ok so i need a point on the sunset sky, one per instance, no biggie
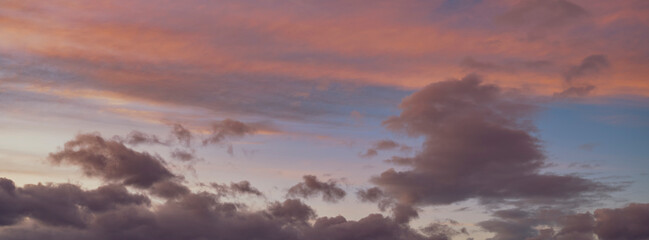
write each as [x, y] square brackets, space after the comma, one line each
[324, 119]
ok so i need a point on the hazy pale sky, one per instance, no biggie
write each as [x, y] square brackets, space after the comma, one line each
[308, 119]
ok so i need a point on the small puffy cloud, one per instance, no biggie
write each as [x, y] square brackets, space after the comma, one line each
[243, 187]
[311, 186]
[112, 161]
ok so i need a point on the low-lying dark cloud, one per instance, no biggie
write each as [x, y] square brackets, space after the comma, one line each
[110, 212]
[64, 205]
[112, 161]
[628, 222]
[479, 144]
[311, 186]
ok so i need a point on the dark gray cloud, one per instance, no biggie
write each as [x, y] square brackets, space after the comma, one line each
[542, 14]
[112, 161]
[629, 222]
[373, 194]
[292, 210]
[441, 231]
[311, 186]
[226, 130]
[110, 212]
[382, 145]
[243, 187]
[183, 155]
[61, 204]
[479, 143]
[169, 189]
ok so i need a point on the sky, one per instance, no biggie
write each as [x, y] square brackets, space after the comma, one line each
[337, 120]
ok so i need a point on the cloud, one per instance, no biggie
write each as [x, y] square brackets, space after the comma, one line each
[242, 187]
[169, 189]
[629, 222]
[441, 231]
[555, 224]
[373, 194]
[542, 14]
[312, 186]
[61, 204]
[112, 161]
[576, 91]
[589, 66]
[110, 212]
[136, 138]
[385, 144]
[228, 129]
[183, 155]
[292, 210]
[479, 144]
[181, 134]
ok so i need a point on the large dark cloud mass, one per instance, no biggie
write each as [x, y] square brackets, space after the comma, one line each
[61, 204]
[628, 223]
[112, 211]
[479, 143]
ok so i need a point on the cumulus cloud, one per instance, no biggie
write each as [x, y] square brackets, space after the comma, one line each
[311, 186]
[61, 204]
[110, 212]
[628, 222]
[292, 210]
[479, 144]
[112, 161]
